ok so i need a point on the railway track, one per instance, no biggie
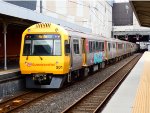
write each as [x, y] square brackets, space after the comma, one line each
[22, 100]
[95, 99]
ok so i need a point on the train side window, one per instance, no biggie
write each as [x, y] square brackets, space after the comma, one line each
[113, 45]
[109, 46]
[120, 46]
[94, 46]
[97, 46]
[102, 46]
[76, 46]
[67, 47]
[90, 46]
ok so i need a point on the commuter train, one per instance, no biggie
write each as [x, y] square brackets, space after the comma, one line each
[52, 55]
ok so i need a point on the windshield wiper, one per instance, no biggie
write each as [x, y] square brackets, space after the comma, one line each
[41, 58]
[27, 57]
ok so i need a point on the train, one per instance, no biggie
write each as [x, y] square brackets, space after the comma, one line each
[52, 55]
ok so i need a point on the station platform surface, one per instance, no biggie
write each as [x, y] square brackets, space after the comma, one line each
[10, 73]
[133, 96]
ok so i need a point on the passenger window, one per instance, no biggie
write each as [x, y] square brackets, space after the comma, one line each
[67, 48]
[102, 46]
[97, 46]
[119, 46]
[94, 46]
[109, 46]
[113, 45]
[76, 46]
[90, 47]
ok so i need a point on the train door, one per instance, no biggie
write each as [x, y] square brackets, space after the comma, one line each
[76, 53]
[83, 44]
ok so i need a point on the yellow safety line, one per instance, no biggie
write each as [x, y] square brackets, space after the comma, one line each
[142, 99]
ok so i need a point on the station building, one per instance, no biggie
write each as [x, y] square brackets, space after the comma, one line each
[126, 26]
[15, 16]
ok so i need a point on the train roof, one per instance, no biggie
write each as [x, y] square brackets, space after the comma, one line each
[71, 32]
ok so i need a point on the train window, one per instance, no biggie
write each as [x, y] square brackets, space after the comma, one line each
[90, 46]
[120, 46]
[27, 47]
[57, 49]
[97, 46]
[113, 45]
[109, 46]
[94, 46]
[76, 46]
[42, 47]
[102, 46]
[67, 48]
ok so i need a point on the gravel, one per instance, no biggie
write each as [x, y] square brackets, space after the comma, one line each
[67, 96]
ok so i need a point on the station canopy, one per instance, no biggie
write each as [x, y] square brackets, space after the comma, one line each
[142, 12]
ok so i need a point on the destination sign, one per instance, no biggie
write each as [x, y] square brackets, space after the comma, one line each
[40, 36]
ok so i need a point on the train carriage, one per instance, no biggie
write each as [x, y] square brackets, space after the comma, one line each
[52, 55]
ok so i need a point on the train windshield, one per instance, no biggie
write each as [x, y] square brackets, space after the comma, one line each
[42, 45]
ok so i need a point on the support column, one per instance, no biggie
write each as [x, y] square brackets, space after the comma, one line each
[41, 6]
[5, 49]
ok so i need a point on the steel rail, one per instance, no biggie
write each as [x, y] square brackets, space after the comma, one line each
[21, 100]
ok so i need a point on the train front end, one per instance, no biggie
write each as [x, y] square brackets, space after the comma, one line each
[42, 57]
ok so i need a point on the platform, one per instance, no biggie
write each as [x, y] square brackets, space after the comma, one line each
[9, 73]
[133, 96]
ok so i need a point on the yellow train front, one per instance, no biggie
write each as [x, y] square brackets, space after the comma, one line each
[43, 55]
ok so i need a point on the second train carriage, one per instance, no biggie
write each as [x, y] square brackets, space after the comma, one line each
[51, 54]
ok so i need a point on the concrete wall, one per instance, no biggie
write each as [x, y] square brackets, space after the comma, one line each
[93, 14]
